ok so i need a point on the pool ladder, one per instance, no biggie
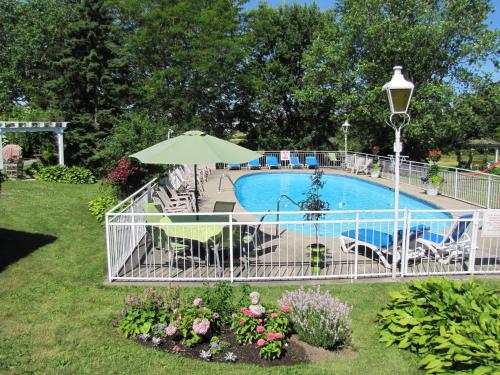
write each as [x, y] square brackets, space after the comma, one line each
[278, 205]
[228, 177]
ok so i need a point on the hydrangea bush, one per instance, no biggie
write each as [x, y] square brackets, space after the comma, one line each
[267, 329]
[318, 318]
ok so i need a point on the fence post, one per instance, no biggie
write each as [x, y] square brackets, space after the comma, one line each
[108, 247]
[409, 173]
[488, 201]
[231, 255]
[405, 242]
[473, 242]
[356, 255]
[456, 183]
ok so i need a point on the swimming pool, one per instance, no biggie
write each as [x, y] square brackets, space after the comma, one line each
[260, 192]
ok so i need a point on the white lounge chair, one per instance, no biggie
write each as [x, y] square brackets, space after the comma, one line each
[451, 245]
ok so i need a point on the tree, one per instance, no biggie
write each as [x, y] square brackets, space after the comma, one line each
[92, 84]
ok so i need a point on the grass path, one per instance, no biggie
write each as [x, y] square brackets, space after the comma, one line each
[56, 315]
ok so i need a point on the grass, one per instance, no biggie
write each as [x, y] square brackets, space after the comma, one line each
[478, 160]
[56, 315]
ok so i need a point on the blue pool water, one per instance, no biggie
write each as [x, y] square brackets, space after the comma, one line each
[260, 191]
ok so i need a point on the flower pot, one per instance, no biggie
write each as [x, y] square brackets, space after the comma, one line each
[317, 257]
[432, 189]
[375, 173]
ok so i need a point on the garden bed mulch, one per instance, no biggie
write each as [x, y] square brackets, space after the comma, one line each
[296, 351]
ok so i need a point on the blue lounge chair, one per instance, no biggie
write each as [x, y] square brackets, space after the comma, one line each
[453, 244]
[233, 166]
[380, 243]
[294, 162]
[311, 162]
[272, 162]
[254, 164]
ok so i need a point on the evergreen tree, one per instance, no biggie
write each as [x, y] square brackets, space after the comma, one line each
[92, 84]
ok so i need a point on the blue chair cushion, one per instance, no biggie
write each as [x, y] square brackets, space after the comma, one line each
[271, 160]
[311, 160]
[433, 237]
[373, 237]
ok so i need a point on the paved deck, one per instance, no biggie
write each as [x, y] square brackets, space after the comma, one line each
[285, 256]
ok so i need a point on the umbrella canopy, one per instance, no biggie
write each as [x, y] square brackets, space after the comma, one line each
[195, 147]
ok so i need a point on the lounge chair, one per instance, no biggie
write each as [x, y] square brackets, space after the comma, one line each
[451, 245]
[295, 163]
[254, 164]
[380, 243]
[161, 198]
[334, 159]
[311, 162]
[233, 166]
[361, 164]
[185, 199]
[272, 162]
[220, 206]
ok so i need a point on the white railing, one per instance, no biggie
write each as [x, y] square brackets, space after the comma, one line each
[465, 185]
[257, 246]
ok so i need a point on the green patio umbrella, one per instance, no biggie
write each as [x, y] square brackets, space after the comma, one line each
[195, 147]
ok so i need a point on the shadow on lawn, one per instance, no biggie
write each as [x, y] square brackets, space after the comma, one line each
[15, 245]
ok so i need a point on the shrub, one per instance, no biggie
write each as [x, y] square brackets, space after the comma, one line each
[102, 204]
[218, 298]
[193, 322]
[63, 173]
[149, 313]
[268, 330]
[126, 175]
[318, 318]
[456, 324]
[31, 169]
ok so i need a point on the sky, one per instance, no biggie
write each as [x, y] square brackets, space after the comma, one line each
[493, 19]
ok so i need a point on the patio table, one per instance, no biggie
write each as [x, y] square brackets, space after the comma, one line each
[189, 228]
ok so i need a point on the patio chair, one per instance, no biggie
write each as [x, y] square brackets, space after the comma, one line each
[161, 198]
[332, 156]
[312, 162]
[220, 206]
[348, 162]
[380, 243]
[272, 162]
[159, 239]
[451, 245]
[234, 166]
[249, 239]
[181, 199]
[254, 164]
[295, 163]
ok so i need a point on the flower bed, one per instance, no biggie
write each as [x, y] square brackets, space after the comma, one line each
[254, 334]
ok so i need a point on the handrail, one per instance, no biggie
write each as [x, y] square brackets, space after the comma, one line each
[278, 204]
[228, 177]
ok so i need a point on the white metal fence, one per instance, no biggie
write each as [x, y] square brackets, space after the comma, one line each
[146, 246]
[465, 185]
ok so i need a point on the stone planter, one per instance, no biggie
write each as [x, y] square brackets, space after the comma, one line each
[317, 257]
[375, 173]
[432, 189]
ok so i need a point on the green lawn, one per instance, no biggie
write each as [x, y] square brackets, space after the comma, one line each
[56, 315]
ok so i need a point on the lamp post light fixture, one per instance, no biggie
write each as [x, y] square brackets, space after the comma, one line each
[345, 128]
[399, 92]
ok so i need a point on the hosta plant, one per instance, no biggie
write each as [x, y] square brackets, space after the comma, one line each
[318, 318]
[66, 174]
[455, 325]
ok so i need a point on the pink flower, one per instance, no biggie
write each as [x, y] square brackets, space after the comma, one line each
[270, 337]
[261, 342]
[278, 335]
[286, 309]
[260, 320]
[171, 330]
[197, 302]
[234, 315]
[246, 311]
[261, 329]
[201, 326]
[216, 315]
[274, 315]
[242, 322]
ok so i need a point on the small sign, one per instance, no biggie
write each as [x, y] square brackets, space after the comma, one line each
[285, 155]
[491, 223]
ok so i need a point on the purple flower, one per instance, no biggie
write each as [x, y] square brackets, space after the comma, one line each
[171, 330]
[197, 302]
[216, 316]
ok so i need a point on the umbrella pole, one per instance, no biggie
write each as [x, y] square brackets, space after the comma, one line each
[196, 188]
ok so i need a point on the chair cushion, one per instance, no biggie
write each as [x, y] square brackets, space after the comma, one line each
[433, 237]
[373, 237]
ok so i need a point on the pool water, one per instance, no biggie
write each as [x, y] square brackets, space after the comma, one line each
[260, 192]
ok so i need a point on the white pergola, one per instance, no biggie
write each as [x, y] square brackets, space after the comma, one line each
[34, 127]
